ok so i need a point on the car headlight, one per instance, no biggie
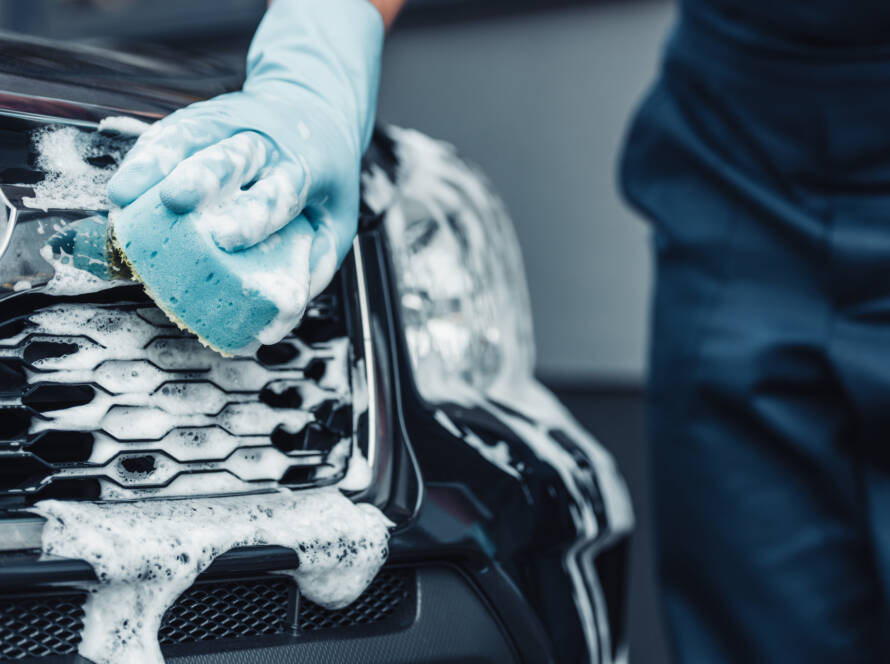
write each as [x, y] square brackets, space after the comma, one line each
[461, 284]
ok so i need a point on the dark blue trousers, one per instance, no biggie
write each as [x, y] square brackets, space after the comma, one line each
[768, 184]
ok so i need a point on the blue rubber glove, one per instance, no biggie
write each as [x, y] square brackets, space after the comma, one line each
[286, 148]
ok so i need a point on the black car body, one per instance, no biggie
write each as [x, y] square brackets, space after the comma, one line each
[517, 555]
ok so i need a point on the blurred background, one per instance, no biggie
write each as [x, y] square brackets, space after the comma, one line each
[537, 92]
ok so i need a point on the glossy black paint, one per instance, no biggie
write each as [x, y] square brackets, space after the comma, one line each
[80, 82]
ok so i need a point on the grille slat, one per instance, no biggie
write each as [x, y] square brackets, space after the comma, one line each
[86, 387]
[49, 623]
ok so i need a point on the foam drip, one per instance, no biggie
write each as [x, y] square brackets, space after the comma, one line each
[145, 554]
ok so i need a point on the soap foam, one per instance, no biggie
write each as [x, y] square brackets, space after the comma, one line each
[71, 182]
[68, 279]
[285, 285]
[358, 470]
[238, 218]
[146, 553]
[161, 393]
[434, 183]
[123, 126]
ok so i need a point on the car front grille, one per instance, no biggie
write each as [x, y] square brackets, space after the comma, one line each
[102, 397]
[43, 624]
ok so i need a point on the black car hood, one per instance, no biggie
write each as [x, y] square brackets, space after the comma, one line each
[85, 82]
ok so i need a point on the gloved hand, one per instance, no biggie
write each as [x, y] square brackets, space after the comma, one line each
[288, 144]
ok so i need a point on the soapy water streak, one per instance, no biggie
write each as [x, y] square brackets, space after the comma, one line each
[146, 553]
[435, 190]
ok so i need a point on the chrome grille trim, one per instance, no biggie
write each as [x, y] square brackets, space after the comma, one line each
[158, 409]
[367, 353]
[10, 216]
[24, 532]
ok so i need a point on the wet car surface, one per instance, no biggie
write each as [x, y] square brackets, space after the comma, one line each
[511, 523]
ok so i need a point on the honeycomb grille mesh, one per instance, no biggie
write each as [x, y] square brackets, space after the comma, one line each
[41, 625]
[211, 611]
[111, 400]
[380, 601]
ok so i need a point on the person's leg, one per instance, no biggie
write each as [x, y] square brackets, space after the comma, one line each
[768, 519]
[860, 338]
[761, 535]
[761, 543]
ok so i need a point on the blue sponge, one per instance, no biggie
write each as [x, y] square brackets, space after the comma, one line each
[233, 301]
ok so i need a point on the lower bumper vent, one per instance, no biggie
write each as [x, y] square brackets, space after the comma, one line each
[43, 624]
[230, 610]
[40, 626]
[383, 600]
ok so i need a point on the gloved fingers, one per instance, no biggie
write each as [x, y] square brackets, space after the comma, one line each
[272, 202]
[335, 231]
[333, 201]
[323, 259]
[157, 152]
[337, 215]
[217, 171]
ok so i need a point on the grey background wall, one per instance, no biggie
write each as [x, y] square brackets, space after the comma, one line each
[541, 101]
